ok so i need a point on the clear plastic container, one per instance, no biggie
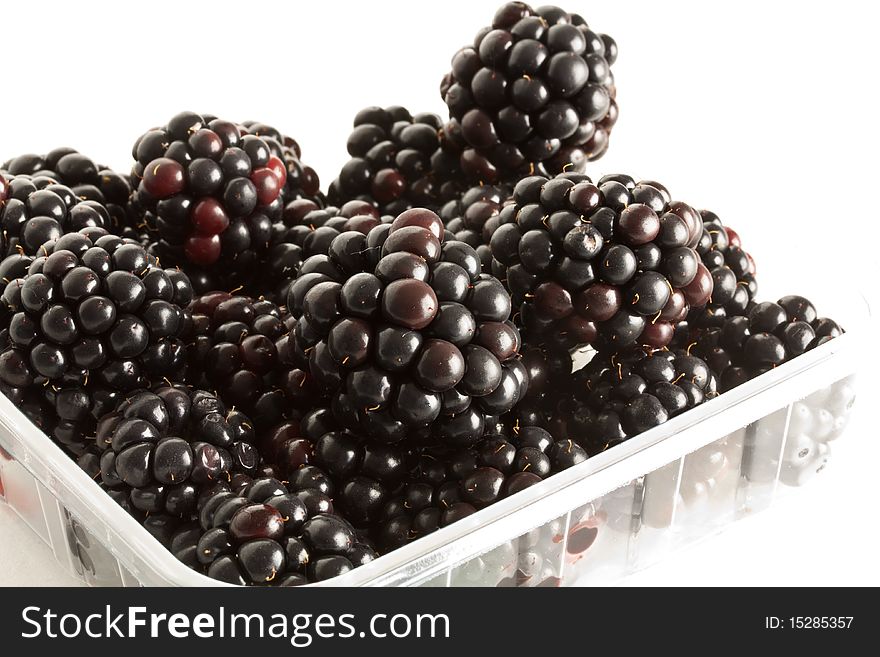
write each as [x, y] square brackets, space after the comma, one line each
[611, 515]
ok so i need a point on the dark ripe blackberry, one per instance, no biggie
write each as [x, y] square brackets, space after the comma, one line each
[398, 162]
[732, 270]
[532, 90]
[621, 396]
[768, 335]
[211, 191]
[273, 540]
[163, 447]
[415, 341]
[473, 216]
[233, 344]
[92, 319]
[40, 208]
[76, 178]
[592, 265]
[306, 230]
[444, 485]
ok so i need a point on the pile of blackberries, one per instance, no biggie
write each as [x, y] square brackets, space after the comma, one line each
[282, 386]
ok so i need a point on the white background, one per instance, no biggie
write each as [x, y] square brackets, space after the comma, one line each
[765, 112]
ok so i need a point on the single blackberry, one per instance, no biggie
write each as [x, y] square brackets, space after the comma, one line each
[359, 474]
[211, 190]
[473, 217]
[445, 485]
[233, 345]
[307, 230]
[88, 182]
[768, 335]
[36, 209]
[611, 264]
[733, 273]
[619, 396]
[398, 162]
[549, 371]
[163, 447]
[535, 87]
[94, 317]
[407, 333]
[268, 535]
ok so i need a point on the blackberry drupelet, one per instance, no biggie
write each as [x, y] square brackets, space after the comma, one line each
[398, 162]
[610, 264]
[619, 396]
[94, 317]
[233, 345]
[162, 448]
[407, 333]
[534, 88]
[768, 335]
[733, 273]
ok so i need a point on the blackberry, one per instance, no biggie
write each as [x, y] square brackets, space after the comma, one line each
[267, 535]
[619, 396]
[535, 87]
[211, 190]
[362, 473]
[234, 346]
[611, 264]
[445, 485]
[94, 317]
[88, 181]
[733, 273]
[163, 447]
[307, 230]
[768, 335]
[38, 209]
[397, 162]
[407, 333]
[472, 217]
